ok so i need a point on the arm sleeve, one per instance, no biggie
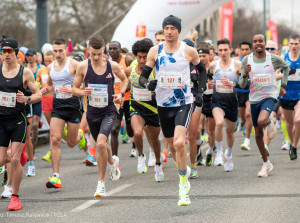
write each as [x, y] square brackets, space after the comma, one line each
[202, 78]
[243, 82]
[278, 62]
[145, 75]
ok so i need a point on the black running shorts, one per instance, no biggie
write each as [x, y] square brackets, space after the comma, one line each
[67, 114]
[13, 129]
[170, 117]
[288, 104]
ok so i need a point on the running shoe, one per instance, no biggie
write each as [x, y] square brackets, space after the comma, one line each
[188, 172]
[100, 191]
[186, 140]
[184, 199]
[228, 164]
[114, 169]
[82, 142]
[47, 157]
[2, 169]
[293, 153]
[159, 174]
[7, 191]
[285, 145]
[90, 161]
[162, 157]
[253, 132]
[237, 127]
[267, 150]
[266, 168]
[245, 146]
[31, 171]
[133, 153]
[204, 137]
[165, 152]
[141, 167]
[194, 173]
[219, 159]
[54, 182]
[15, 204]
[152, 160]
[200, 161]
[208, 160]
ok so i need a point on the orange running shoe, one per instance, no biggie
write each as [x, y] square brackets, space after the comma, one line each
[15, 204]
[165, 152]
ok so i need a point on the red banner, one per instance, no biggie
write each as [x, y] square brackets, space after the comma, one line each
[273, 29]
[227, 21]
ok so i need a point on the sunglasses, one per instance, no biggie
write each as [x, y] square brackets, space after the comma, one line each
[270, 48]
[9, 51]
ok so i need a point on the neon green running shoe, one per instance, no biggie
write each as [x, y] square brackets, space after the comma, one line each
[54, 182]
[184, 199]
[65, 132]
[83, 141]
[47, 157]
[194, 173]
[204, 137]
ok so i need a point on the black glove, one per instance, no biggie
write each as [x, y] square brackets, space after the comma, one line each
[199, 99]
[152, 85]
[292, 71]
[194, 80]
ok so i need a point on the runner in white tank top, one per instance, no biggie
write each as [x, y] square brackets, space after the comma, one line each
[224, 101]
[173, 94]
[66, 107]
[260, 66]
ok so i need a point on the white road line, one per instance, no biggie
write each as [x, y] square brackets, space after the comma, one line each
[92, 202]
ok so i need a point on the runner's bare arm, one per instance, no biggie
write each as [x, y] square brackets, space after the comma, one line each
[30, 82]
[73, 66]
[127, 73]
[238, 67]
[120, 74]
[79, 77]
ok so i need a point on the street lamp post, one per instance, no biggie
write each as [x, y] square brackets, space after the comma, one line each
[42, 27]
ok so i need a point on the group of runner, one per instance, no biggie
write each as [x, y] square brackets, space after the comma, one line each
[176, 87]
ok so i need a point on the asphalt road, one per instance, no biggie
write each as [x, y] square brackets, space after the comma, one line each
[216, 196]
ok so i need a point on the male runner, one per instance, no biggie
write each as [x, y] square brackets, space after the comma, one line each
[14, 79]
[124, 61]
[260, 67]
[289, 99]
[243, 100]
[203, 51]
[159, 37]
[224, 101]
[47, 101]
[143, 110]
[97, 75]
[66, 107]
[173, 93]
[37, 111]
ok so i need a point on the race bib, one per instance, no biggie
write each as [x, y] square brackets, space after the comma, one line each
[295, 76]
[61, 95]
[8, 99]
[99, 97]
[171, 80]
[141, 94]
[262, 80]
[222, 88]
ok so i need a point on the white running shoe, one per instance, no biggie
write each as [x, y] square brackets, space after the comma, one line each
[7, 191]
[266, 168]
[162, 157]
[219, 159]
[188, 172]
[184, 199]
[228, 164]
[152, 160]
[31, 171]
[159, 174]
[286, 145]
[245, 146]
[133, 153]
[271, 127]
[100, 191]
[141, 167]
[115, 172]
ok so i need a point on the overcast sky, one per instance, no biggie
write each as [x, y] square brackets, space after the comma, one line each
[280, 10]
